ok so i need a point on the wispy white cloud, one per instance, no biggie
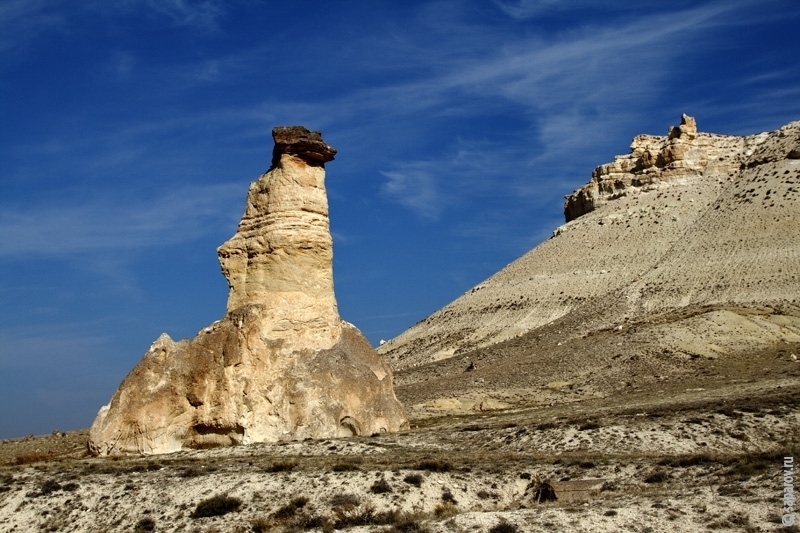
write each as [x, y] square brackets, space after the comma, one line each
[414, 187]
[467, 171]
[115, 223]
[197, 13]
[23, 21]
[202, 15]
[525, 9]
[123, 63]
[47, 346]
[570, 87]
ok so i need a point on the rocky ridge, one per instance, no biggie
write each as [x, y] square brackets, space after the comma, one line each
[683, 153]
[689, 221]
[281, 364]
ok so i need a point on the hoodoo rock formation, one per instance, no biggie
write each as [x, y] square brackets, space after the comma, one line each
[281, 364]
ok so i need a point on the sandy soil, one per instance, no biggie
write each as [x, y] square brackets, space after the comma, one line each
[671, 458]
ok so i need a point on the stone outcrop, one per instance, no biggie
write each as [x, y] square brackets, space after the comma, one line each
[281, 364]
[654, 159]
[690, 220]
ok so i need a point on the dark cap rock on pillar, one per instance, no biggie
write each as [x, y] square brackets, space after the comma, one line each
[303, 143]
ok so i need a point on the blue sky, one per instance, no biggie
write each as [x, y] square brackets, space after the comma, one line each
[131, 130]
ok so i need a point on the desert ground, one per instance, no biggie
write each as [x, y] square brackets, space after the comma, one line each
[693, 451]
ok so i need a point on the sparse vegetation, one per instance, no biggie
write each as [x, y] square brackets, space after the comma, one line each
[734, 520]
[261, 525]
[362, 516]
[503, 527]
[145, 525]
[413, 479]
[30, 458]
[289, 510]
[281, 466]
[445, 510]
[482, 470]
[190, 472]
[434, 465]
[345, 466]
[381, 486]
[687, 460]
[49, 486]
[408, 525]
[447, 496]
[218, 505]
[657, 476]
[345, 500]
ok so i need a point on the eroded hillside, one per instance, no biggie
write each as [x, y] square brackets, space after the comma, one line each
[685, 222]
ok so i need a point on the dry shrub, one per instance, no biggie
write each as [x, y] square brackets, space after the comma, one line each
[346, 466]
[49, 486]
[409, 525]
[345, 500]
[734, 520]
[503, 527]
[345, 517]
[381, 486]
[413, 479]
[281, 466]
[218, 505]
[190, 472]
[432, 465]
[288, 511]
[445, 510]
[349, 516]
[683, 461]
[144, 525]
[261, 525]
[657, 476]
[29, 458]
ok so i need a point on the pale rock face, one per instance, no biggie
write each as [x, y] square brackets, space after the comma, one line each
[691, 220]
[653, 160]
[282, 253]
[281, 364]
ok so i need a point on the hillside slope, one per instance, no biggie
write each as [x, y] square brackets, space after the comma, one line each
[690, 243]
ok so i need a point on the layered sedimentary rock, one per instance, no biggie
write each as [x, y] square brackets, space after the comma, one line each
[653, 159]
[690, 221]
[281, 364]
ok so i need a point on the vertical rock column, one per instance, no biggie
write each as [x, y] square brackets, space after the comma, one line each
[281, 256]
[281, 364]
